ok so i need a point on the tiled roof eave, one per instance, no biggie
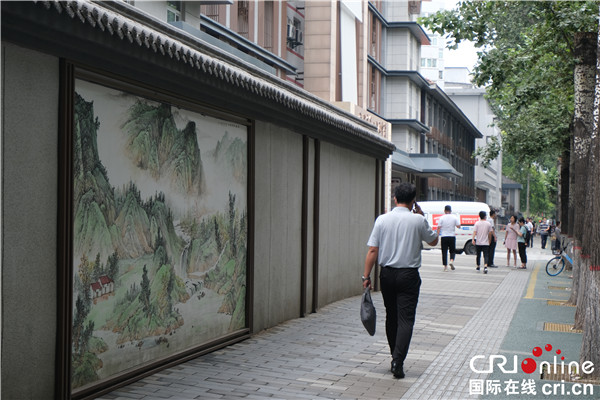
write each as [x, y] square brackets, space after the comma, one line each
[153, 39]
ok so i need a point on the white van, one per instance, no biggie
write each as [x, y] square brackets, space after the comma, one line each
[466, 211]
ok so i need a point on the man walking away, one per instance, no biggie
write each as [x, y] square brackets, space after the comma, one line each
[446, 225]
[493, 240]
[531, 231]
[396, 241]
[482, 234]
[544, 232]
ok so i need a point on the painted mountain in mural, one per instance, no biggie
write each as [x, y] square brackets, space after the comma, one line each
[155, 144]
[231, 152]
[175, 269]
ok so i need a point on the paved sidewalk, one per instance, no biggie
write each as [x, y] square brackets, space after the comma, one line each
[329, 355]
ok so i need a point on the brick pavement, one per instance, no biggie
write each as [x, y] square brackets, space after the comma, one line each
[329, 355]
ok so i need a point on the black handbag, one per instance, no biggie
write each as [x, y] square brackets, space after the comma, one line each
[367, 312]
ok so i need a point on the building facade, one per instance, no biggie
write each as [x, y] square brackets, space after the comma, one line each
[473, 103]
[456, 82]
[433, 138]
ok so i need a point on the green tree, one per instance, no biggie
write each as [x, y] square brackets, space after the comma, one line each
[112, 266]
[145, 292]
[526, 61]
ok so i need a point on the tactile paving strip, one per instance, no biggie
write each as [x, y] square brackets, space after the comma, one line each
[559, 288]
[555, 327]
[560, 303]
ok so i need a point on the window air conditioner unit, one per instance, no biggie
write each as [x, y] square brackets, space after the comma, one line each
[291, 32]
[299, 37]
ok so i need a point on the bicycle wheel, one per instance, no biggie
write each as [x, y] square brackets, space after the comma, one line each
[555, 266]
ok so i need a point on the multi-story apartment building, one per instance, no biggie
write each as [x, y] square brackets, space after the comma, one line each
[473, 103]
[364, 57]
[434, 139]
[456, 82]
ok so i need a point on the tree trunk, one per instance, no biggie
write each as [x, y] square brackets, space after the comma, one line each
[583, 125]
[590, 343]
[564, 188]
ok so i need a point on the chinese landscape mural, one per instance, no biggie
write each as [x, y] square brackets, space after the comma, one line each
[159, 231]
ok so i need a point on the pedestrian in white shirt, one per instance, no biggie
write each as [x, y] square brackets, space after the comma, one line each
[446, 226]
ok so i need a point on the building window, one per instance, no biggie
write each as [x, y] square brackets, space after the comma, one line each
[374, 36]
[295, 34]
[423, 61]
[441, 53]
[268, 45]
[373, 87]
[441, 75]
[173, 11]
[212, 12]
[243, 11]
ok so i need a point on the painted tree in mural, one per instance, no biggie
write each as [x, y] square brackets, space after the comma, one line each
[526, 45]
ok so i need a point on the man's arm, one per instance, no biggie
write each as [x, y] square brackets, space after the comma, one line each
[370, 261]
[434, 242]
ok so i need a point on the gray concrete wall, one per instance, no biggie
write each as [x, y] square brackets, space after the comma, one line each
[30, 91]
[278, 223]
[347, 214]
[29, 220]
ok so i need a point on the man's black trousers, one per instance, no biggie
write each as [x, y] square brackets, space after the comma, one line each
[448, 243]
[486, 254]
[492, 251]
[400, 291]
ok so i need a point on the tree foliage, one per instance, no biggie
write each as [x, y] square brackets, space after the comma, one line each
[526, 61]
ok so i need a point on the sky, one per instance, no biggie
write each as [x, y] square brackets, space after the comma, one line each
[466, 54]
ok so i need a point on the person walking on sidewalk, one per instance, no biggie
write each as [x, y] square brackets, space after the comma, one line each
[446, 225]
[396, 242]
[522, 234]
[493, 240]
[482, 235]
[531, 229]
[544, 232]
[510, 241]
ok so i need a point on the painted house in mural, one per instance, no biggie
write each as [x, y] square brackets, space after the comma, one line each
[103, 286]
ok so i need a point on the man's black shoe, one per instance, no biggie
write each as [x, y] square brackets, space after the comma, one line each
[397, 370]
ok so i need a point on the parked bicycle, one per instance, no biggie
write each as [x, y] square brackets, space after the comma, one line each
[557, 264]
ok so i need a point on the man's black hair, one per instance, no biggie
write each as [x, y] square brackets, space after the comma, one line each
[448, 208]
[405, 193]
[482, 214]
[492, 213]
[521, 219]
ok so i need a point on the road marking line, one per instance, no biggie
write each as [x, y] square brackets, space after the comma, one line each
[532, 281]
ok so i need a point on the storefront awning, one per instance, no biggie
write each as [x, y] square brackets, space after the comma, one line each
[434, 165]
[424, 165]
[401, 162]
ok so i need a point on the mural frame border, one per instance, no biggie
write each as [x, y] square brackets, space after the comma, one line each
[69, 71]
